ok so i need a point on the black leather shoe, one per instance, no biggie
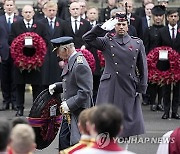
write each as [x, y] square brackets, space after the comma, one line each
[160, 107]
[4, 107]
[153, 107]
[165, 116]
[175, 116]
[20, 112]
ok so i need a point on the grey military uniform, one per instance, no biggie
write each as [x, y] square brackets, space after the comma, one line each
[77, 83]
[124, 75]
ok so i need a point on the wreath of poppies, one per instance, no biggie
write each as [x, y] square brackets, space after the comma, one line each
[89, 57]
[101, 58]
[172, 75]
[24, 62]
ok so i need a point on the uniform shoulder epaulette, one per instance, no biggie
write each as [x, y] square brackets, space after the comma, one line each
[79, 60]
[134, 37]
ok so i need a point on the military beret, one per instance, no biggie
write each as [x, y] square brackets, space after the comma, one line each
[121, 17]
[57, 42]
[158, 10]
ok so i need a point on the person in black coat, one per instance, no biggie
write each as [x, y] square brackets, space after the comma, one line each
[51, 70]
[170, 36]
[150, 42]
[25, 77]
[7, 83]
[133, 19]
[76, 27]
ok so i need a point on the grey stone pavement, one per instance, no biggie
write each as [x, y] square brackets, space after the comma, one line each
[155, 128]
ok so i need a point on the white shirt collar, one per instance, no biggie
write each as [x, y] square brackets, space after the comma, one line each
[30, 22]
[73, 19]
[53, 20]
[170, 27]
[9, 16]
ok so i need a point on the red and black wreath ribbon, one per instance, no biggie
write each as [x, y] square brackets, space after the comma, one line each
[24, 62]
[172, 75]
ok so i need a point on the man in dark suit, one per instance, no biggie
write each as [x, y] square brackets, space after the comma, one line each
[133, 19]
[77, 86]
[146, 20]
[170, 36]
[141, 10]
[76, 26]
[7, 82]
[27, 24]
[55, 28]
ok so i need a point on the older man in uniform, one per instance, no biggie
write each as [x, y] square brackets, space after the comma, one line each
[125, 72]
[77, 86]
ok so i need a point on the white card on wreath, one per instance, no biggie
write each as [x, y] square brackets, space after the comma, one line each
[28, 41]
[163, 54]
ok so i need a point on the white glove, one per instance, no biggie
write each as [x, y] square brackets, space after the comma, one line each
[83, 47]
[64, 107]
[137, 93]
[110, 24]
[51, 88]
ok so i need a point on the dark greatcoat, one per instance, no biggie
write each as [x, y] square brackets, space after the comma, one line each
[51, 70]
[119, 82]
[34, 76]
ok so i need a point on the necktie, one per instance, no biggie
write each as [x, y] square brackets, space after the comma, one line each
[75, 29]
[28, 25]
[51, 25]
[173, 33]
[9, 24]
[92, 25]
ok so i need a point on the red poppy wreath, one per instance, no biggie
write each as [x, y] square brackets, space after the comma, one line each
[29, 58]
[89, 57]
[101, 58]
[172, 75]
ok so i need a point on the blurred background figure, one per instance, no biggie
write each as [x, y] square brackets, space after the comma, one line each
[92, 16]
[83, 5]
[7, 80]
[22, 139]
[38, 9]
[76, 26]
[51, 71]
[4, 135]
[146, 20]
[132, 18]
[150, 42]
[105, 12]
[141, 10]
[163, 2]
[1, 7]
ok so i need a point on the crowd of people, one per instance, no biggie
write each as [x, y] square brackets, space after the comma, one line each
[124, 35]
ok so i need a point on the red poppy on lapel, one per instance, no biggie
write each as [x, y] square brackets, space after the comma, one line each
[81, 23]
[179, 30]
[57, 24]
[34, 25]
[130, 48]
[133, 19]
[14, 19]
